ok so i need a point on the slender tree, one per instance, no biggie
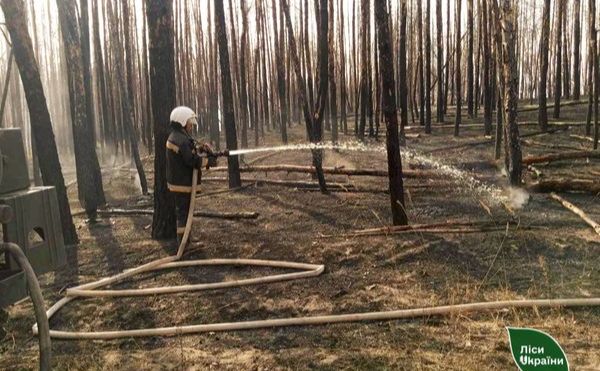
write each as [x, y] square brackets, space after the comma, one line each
[470, 43]
[488, 73]
[313, 117]
[560, 6]
[542, 90]
[513, 156]
[386, 69]
[420, 62]
[577, 50]
[227, 93]
[403, 78]
[440, 63]
[592, 50]
[428, 67]
[457, 76]
[89, 184]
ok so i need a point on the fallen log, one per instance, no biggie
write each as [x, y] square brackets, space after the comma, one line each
[408, 173]
[577, 211]
[560, 156]
[443, 227]
[549, 145]
[562, 104]
[481, 126]
[287, 183]
[566, 185]
[198, 214]
[490, 141]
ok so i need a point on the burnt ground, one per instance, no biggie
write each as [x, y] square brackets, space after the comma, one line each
[375, 273]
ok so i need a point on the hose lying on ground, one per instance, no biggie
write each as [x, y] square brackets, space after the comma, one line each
[38, 302]
[308, 270]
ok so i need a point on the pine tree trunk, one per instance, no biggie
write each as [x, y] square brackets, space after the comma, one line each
[227, 93]
[577, 50]
[440, 63]
[89, 183]
[420, 62]
[41, 125]
[162, 82]
[386, 65]
[403, 83]
[558, 58]
[470, 76]
[591, 53]
[457, 76]
[509, 59]
[280, 67]
[428, 68]
[313, 118]
[543, 79]
[488, 73]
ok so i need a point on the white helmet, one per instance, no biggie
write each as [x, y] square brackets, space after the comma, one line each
[182, 114]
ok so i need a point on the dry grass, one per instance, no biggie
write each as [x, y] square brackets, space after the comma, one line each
[365, 274]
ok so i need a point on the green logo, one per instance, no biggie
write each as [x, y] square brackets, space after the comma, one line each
[535, 350]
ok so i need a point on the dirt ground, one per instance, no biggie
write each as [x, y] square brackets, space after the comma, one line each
[561, 260]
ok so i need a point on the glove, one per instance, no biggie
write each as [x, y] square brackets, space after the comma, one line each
[206, 148]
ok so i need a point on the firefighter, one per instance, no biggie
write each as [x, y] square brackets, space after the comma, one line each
[183, 156]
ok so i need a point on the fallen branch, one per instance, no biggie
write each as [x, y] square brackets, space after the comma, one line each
[198, 214]
[560, 156]
[581, 137]
[577, 211]
[566, 185]
[407, 173]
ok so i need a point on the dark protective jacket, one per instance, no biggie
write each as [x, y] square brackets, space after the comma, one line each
[182, 159]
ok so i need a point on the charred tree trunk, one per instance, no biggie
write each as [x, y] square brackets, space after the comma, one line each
[577, 50]
[227, 92]
[544, 46]
[162, 81]
[420, 62]
[41, 124]
[470, 76]
[364, 74]
[89, 184]
[386, 69]
[280, 67]
[457, 76]
[440, 63]
[428, 68]
[332, 82]
[558, 57]
[312, 117]
[402, 74]
[243, 91]
[488, 73]
[592, 50]
[513, 156]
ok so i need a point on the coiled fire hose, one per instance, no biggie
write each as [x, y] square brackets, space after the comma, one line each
[307, 270]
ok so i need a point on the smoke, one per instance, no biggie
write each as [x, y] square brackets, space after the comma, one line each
[517, 197]
[137, 182]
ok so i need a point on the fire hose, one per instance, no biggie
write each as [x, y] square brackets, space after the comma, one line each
[306, 270]
[34, 292]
